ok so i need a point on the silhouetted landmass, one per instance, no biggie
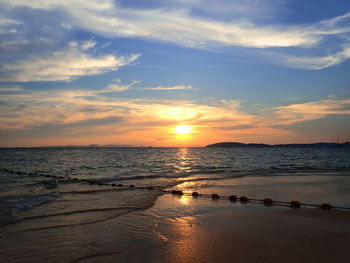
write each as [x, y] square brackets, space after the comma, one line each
[248, 145]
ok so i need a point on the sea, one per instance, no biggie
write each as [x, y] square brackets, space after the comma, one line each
[52, 189]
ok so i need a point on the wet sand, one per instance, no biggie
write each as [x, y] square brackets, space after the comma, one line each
[187, 229]
[253, 233]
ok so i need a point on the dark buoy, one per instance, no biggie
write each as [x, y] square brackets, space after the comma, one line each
[233, 198]
[131, 185]
[325, 206]
[267, 201]
[215, 196]
[177, 192]
[119, 185]
[113, 185]
[243, 198]
[195, 194]
[99, 183]
[294, 204]
[150, 188]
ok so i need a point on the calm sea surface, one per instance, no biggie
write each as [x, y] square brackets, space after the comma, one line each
[73, 179]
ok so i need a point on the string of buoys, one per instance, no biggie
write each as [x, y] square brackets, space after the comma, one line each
[89, 181]
[214, 196]
[266, 201]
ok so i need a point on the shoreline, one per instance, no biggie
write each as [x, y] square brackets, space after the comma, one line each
[187, 229]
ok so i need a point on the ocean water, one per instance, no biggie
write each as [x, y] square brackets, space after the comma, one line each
[51, 192]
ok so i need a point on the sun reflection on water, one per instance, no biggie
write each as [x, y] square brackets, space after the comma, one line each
[185, 199]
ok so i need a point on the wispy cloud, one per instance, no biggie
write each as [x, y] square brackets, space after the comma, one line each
[7, 25]
[10, 88]
[301, 112]
[311, 62]
[117, 86]
[179, 87]
[79, 113]
[63, 65]
[172, 25]
[8, 21]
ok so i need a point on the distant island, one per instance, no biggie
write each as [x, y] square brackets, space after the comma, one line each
[251, 145]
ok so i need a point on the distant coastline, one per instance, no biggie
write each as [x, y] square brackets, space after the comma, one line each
[251, 145]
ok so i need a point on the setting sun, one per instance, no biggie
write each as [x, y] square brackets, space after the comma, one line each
[183, 129]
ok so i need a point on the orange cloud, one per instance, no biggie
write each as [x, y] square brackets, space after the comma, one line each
[80, 116]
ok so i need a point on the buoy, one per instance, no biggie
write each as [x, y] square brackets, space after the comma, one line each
[267, 201]
[325, 206]
[243, 198]
[214, 196]
[294, 204]
[150, 188]
[195, 194]
[131, 185]
[99, 183]
[177, 192]
[113, 185]
[119, 185]
[233, 198]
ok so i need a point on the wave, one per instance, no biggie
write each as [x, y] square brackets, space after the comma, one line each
[7, 216]
[109, 190]
[14, 204]
[127, 211]
[25, 202]
[81, 212]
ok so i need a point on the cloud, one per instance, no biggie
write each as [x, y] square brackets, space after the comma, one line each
[179, 87]
[63, 65]
[13, 44]
[8, 21]
[170, 23]
[295, 113]
[6, 25]
[314, 63]
[10, 88]
[117, 86]
[77, 106]
[75, 113]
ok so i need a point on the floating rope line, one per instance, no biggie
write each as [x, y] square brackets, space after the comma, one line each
[214, 196]
[266, 201]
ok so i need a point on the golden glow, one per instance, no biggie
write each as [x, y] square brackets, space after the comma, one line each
[183, 129]
[185, 199]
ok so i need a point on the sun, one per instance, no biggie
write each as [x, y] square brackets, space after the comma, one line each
[183, 129]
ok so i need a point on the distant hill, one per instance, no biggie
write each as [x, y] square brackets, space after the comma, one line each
[250, 145]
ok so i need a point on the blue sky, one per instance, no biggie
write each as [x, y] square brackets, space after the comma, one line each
[129, 72]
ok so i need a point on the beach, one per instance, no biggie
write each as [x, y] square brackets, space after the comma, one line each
[253, 233]
[182, 228]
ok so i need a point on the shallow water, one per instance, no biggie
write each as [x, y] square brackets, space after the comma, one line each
[33, 177]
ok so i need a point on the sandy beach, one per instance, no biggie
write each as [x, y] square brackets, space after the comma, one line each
[182, 229]
[253, 233]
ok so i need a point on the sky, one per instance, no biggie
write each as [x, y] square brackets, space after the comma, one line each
[173, 73]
